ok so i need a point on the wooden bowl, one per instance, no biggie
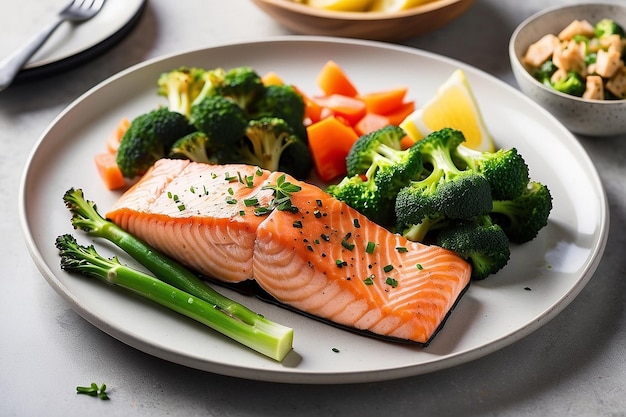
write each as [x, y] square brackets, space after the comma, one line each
[380, 26]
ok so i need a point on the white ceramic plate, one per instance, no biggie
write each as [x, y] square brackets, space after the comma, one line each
[69, 44]
[542, 278]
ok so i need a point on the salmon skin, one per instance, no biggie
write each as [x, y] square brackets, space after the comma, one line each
[322, 257]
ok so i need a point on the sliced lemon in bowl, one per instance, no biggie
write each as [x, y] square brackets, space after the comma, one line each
[395, 5]
[453, 106]
[340, 5]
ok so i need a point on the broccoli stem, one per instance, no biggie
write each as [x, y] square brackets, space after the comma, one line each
[267, 337]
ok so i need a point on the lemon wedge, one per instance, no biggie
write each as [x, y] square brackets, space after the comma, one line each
[395, 5]
[340, 5]
[453, 106]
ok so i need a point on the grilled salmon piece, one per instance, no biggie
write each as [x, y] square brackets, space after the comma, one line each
[325, 259]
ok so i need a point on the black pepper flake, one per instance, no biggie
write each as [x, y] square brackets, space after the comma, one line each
[319, 203]
[335, 350]
[297, 224]
[325, 237]
[317, 214]
[528, 288]
[356, 223]
[309, 247]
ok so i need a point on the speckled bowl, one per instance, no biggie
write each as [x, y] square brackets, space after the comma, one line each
[582, 116]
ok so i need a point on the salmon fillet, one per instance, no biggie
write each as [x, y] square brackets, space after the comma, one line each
[325, 259]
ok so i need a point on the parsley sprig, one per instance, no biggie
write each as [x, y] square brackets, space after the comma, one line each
[282, 197]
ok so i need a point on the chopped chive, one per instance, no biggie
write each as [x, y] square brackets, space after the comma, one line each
[347, 245]
[340, 263]
[229, 177]
[252, 201]
[259, 172]
[325, 237]
[335, 350]
[181, 207]
[242, 213]
[371, 246]
[192, 189]
[420, 267]
[231, 191]
[297, 224]
[401, 249]
[231, 200]
[388, 268]
[309, 247]
[213, 175]
[369, 280]
[393, 283]
[316, 241]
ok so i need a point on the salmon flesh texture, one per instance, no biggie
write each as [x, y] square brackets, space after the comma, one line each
[326, 259]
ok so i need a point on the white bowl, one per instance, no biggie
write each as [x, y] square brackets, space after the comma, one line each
[582, 116]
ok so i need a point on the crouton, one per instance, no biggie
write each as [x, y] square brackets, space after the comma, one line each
[577, 27]
[540, 51]
[607, 63]
[617, 83]
[570, 56]
[594, 88]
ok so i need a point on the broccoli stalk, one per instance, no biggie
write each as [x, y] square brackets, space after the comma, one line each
[268, 338]
[264, 336]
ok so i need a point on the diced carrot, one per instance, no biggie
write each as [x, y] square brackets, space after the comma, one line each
[109, 171]
[312, 110]
[271, 78]
[330, 141]
[333, 80]
[395, 118]
[349, 108]
[406, 142]
[370, 122]
[386, 101]
[114, 139]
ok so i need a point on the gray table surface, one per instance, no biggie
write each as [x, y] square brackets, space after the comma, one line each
[575, 365]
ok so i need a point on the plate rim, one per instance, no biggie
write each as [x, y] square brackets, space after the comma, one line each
[587, 270]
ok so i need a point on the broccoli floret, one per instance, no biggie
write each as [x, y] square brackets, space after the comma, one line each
[379, 155]
[149, 138]
[363, 195]
[196, 147]
[573, 84]
[266, 142]
[220, 118]
[282, 101]
[181, 86]
[606, 27]
[505, 169]
[545, 72]
[480, 242]
[442, 191]
[522, 217]
[242, 85]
